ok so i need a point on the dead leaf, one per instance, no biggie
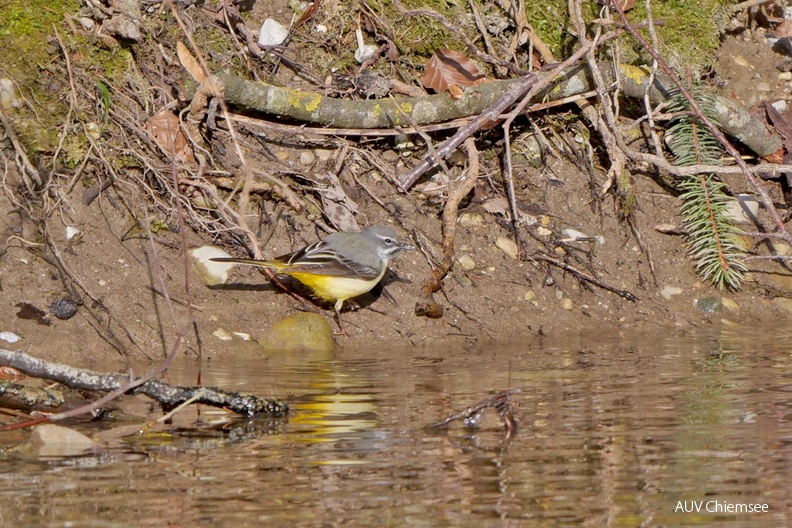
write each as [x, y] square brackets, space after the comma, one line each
[164, 128]
[189, 62]
[451, 70]
[337, 206]
[10, 373]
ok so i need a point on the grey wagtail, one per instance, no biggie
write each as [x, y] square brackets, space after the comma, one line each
[339, 267]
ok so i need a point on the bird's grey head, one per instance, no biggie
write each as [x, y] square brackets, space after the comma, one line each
[386, 240]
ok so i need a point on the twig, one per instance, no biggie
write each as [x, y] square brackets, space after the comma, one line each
[501, 402]
[584, 276]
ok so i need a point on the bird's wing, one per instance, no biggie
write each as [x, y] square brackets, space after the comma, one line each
[318, 258]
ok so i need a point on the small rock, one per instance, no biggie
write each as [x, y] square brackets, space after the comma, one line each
[51, 440]
[507, 245]
[743, 209]
[71, 232]
[211, 273]
[323, 154]
[785, 76]
[471, 219]
[86, 22]
[9, 98]
[567, 303]
[560, 251]
[730, 304]
[668, 291]
[303, 332]
[739, 60]
[282, 155]
[63, 308]
[307, 158]
[466, 263]
[529, 296]
[543, 232]
[546, 221]
[709, 305]
[272, 33]
[763, 87]
[9, 337]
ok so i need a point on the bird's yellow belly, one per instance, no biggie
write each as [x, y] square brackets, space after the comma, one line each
[336, 288]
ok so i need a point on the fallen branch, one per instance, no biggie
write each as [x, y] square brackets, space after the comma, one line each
[168, 395]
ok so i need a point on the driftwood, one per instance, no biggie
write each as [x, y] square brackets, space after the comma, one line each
[168, 395]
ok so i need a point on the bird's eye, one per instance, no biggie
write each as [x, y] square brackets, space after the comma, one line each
[388, 240]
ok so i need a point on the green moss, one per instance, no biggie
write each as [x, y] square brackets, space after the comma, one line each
[688, 37]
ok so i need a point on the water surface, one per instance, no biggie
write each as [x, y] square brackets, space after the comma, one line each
[619, 431]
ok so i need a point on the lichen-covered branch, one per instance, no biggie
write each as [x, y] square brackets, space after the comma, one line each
[315, 108]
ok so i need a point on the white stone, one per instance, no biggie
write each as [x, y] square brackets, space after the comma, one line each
[9, 337]
[212, 273]
[71, 232]
[272, 33]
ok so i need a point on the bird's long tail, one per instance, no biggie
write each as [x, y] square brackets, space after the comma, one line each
[271, 264]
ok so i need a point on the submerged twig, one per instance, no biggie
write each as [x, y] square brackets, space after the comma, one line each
[501, 402]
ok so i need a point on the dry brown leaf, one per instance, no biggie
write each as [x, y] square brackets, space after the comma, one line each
[451, 70]
[10, 373]
[164, 128]
[189, 63]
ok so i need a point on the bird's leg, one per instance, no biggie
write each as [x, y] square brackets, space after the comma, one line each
[339, 303]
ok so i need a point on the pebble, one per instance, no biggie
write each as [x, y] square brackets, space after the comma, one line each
[730, 304]
[529, 296]
[785, 76]
[763, 87]
[507, 245]
[307, 157]
[709, 305]
[471, 219]
[543, 232]
[9, 98]
[466, 263]
[567, 303]
[272, 33]
[739, 60]
[323, 154]
[9, 337]
[63, 308]
[299, 333]
[211, 273]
